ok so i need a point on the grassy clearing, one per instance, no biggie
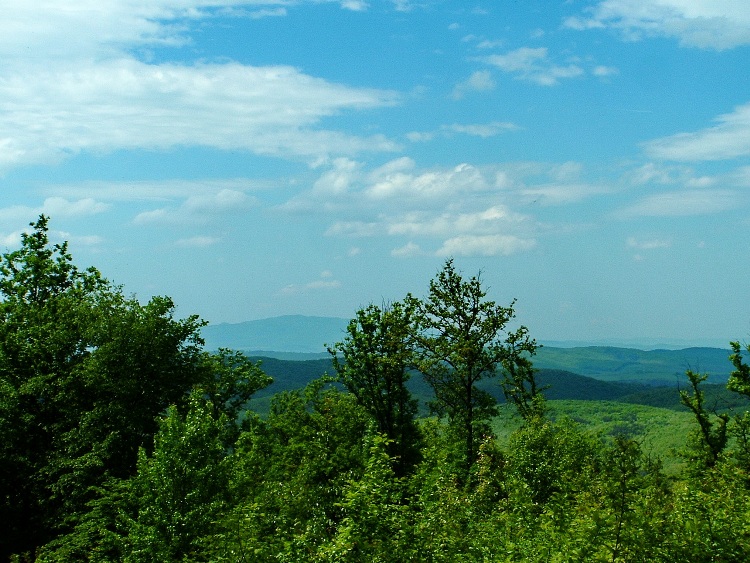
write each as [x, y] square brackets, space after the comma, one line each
[661, 432]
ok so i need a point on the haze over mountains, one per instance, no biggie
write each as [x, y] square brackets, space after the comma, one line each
[300, 334]
[298, 337]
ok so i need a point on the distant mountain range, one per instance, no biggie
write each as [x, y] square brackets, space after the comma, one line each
[290, 334]
[298, 337]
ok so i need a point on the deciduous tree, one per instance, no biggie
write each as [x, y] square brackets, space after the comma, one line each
[372, 362]
[462, 338]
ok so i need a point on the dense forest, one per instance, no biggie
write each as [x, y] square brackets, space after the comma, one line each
[123, 439]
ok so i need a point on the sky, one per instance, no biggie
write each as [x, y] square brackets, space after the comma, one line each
[257, 158]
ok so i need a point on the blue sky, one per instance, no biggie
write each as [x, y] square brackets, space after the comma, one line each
[262, 158]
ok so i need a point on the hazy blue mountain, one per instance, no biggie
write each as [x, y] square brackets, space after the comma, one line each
[297, 337]
[296, 334]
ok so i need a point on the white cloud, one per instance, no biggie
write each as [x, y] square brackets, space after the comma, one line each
[198, 209]
[336, 181]
[650, 172]
[42, 30]
[156, 190]
[604, 71]
[485, 245]
[463, 178]
[682, 204]
[402, 5]
[420, 136]
[479, 81]
[409, 250]
[51, 113]
[11, 240]
[56, 207]
[354, 5]
[61, 207]
[730, 138]
[455, 208]
[268, 13]
[534, 65]
[65, 92]
[483, 130]
[323, 284]
[711, 24]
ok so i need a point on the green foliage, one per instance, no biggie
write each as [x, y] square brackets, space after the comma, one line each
[230, 380]
[708, 443]
[376, 524]
[292, 471]
[375, 356]
[182, 488]
[123, 441]
[547, 459]
[459, 343]
[519, 382]
[739, 379]
[84, 374]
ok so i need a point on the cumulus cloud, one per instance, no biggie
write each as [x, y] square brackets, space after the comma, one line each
[729, 138]
[463, 178]
[460, 210]
[711, 24]
[534, 65]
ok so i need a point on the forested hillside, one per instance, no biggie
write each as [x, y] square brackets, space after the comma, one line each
[124, 439]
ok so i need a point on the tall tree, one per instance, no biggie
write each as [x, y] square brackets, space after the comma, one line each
[372, 362]
[462, 338]
[84, 371]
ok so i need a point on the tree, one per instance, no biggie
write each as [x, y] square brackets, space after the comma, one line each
[372, 363]
[459, 342]
[710, 440]
[292, 471]
[519, 380]
[182, 488]
[739, 379]
[84, 372]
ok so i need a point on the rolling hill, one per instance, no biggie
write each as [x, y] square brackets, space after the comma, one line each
[298, 337]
